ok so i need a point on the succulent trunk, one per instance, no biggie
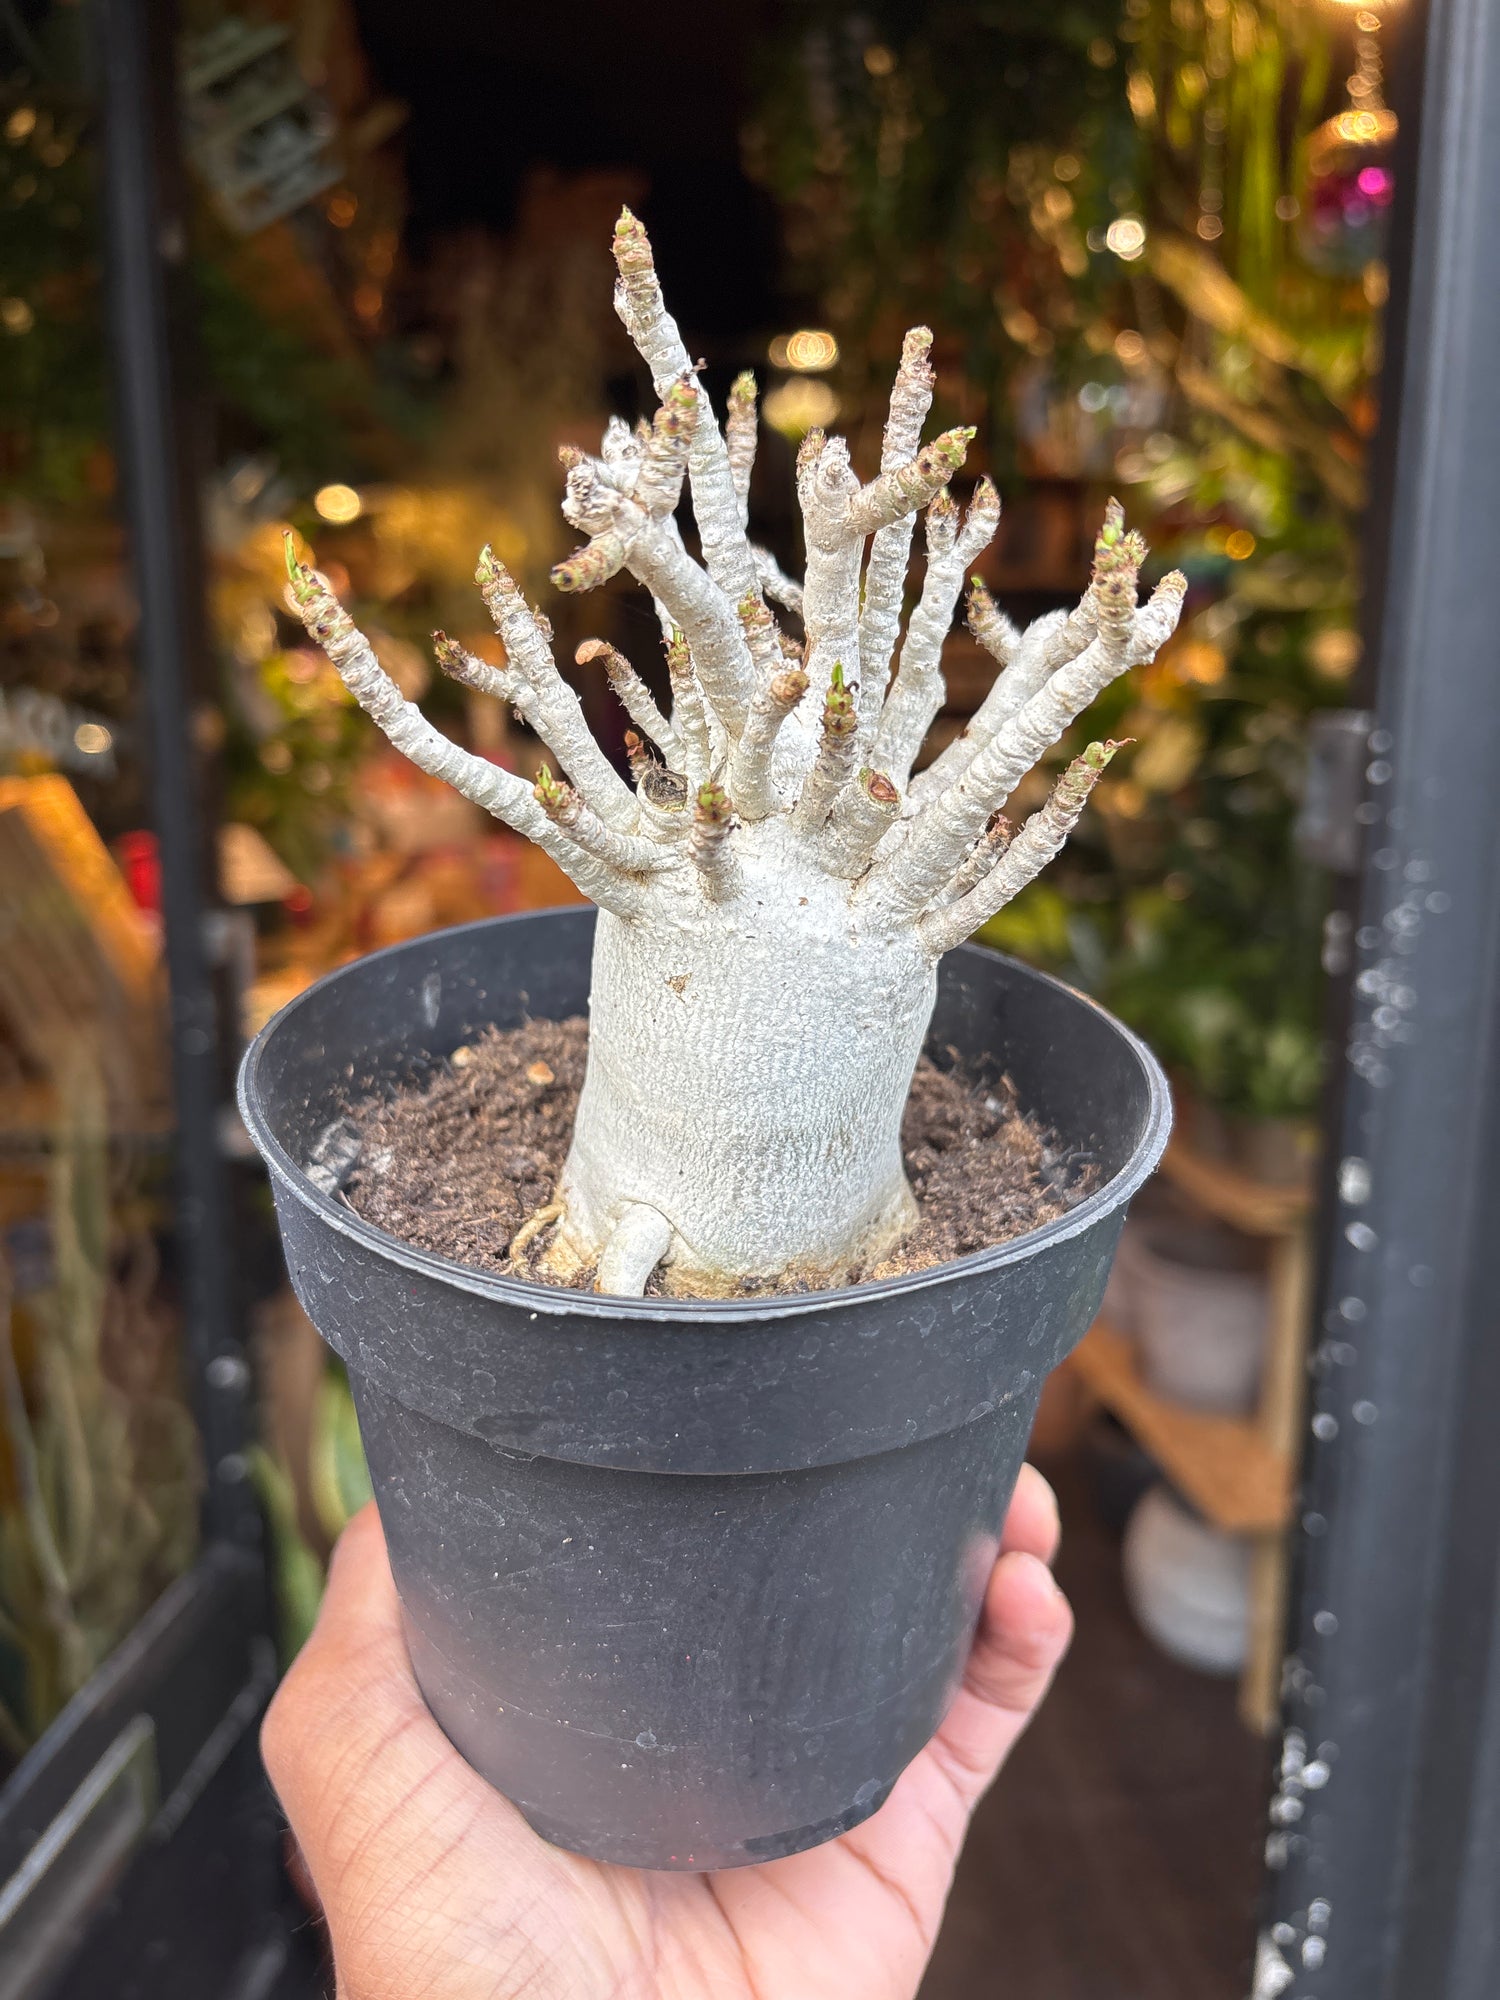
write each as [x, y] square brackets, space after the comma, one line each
[749, 1060]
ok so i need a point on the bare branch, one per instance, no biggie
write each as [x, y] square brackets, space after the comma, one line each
[906, 489]
[716, 502]
[554, 710]
[865, 811]
[1028, 660]
[750, 760]
[838, 745]
[708, 844]
[830, 596]
[989, 624]
[740, 439]
[688, 717]
[635, 697]
[945, 827]
[997, 836]
[496, 791]
[890, 551]
[775, 582]
[501, 683]
[631, 853]
[636, 530]
[917, 693]
[1024, 858]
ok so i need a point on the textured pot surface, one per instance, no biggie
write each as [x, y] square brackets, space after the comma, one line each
[690, 1582]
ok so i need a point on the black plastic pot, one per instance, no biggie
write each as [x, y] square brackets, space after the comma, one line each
[690, 1583]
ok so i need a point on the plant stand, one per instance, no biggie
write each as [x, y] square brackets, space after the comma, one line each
[1238, 1472]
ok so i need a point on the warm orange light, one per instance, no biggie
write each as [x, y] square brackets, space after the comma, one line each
[338, 503]
[809, 352]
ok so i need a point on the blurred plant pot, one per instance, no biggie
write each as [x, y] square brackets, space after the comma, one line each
[691, 1582]
[1118, 1469]
[1188, 1584]
[1277, 1152]
[1200, 1307]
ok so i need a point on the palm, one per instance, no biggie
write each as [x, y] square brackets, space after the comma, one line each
[434, 1885]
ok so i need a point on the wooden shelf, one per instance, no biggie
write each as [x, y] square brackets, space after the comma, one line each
[1256, 1207]
[1224, 1465]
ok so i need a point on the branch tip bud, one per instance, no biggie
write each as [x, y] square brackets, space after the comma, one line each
[712, 804]
[552, 795]
[632, 247]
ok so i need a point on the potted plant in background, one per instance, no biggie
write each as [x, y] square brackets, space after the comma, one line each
[691, 1493]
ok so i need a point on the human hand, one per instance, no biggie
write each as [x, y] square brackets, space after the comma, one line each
[435, 1888]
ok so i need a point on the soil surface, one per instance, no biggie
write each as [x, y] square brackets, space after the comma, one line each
[459, 1163]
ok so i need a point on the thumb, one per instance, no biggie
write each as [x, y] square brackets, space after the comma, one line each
[1023, 1634]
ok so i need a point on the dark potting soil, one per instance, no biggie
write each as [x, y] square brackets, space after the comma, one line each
[461, 1161]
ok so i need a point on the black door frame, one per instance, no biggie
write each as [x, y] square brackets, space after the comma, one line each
[1384, 1833]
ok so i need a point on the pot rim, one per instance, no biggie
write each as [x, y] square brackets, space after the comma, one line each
[563, 1301]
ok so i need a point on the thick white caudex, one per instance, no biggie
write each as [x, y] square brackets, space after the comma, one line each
[775, 890]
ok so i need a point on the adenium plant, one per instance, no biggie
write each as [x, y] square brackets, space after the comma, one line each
[775, 888]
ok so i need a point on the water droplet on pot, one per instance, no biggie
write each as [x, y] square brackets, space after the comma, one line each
[645, 1741]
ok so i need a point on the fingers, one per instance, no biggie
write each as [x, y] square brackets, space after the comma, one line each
[348, 1736]
[1032, 1526]
[1024, 1630]
[1023, 1634]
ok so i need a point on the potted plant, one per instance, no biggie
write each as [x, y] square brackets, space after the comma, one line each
[690, 1571]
